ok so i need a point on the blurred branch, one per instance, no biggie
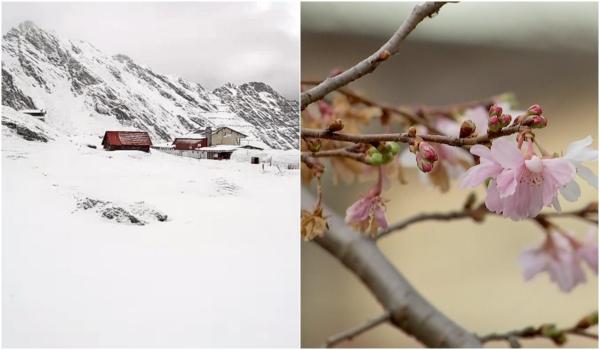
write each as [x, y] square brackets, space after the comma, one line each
[417, 114]
[356, 331]
[409, 310]
[368, 65]
[404, 112]
[588, 213]
[548, 331]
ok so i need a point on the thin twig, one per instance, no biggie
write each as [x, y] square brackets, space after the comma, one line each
[356, 331]
[340, 152]
[412, 113]
[548, 331]
[406, 138]
[368, 65]
[480, 211]
[453, 215]
[583, 333]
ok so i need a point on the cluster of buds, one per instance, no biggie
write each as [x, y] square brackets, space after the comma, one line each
[534, 118]
[550, 331]
[382, 154]
[497, 120]
[426, 155]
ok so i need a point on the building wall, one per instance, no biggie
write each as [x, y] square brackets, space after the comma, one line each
[226, 136]
[189, 145]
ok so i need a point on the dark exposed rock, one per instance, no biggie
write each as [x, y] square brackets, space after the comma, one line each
[25, 132]
[120, 215]
[136, 213]
[12, 96]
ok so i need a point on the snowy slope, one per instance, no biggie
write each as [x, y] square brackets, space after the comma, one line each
[259, 104]
[219, 271]
[86, 92]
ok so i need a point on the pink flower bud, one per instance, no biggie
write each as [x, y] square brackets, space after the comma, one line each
[505, 119]
[495, 110]
[424, 165]
[494, 123]
[535, 109]
[427, 152]
[535, 121]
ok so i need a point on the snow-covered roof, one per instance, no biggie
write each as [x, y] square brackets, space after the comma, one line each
[220, 148]
[230, 128]
[193, 136]
[254, 143]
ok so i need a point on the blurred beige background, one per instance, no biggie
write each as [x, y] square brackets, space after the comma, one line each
[545, 53]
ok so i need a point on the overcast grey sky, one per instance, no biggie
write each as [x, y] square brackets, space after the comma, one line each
[206, 42]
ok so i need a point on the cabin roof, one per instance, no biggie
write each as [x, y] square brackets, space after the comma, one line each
[230, 128]
[221, 148]
[127, 138]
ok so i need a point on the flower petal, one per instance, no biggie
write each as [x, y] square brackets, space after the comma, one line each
[479, 173]
[588, 175]
[571, 191]
[575, 147]
[507, 154]
[482, 152]
[559, 169]
[380, 217]
[507, 182]
[492, 199]
[533, 261]
[556, 204]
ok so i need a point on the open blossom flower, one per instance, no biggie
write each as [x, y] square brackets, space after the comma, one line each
[521, 183]
[368, 213]
[561, 255]
[578, 152]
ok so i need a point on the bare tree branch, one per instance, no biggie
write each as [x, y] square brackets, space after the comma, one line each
[356, 331]
[409, 311]
[368, 65]
[548, 331]
[586, 213]
[406, 138]
[417, 114]
[346, 152]
[452, 215]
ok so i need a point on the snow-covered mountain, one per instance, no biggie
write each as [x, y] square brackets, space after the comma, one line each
[86, 92]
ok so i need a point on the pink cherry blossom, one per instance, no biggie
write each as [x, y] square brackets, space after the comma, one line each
[368, 213]
[588, 250]
[521, 183]
[557, 257]
[561, 255]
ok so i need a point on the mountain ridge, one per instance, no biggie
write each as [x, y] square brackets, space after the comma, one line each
[86, 91]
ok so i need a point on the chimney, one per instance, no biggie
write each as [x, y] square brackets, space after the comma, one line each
[208, 133]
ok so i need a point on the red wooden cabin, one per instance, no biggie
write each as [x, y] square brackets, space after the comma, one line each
[185, 143]
[126, 140]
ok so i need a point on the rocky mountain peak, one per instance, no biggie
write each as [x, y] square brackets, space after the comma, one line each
[86, 91]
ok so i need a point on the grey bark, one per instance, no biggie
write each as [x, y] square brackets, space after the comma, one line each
[409, 311]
